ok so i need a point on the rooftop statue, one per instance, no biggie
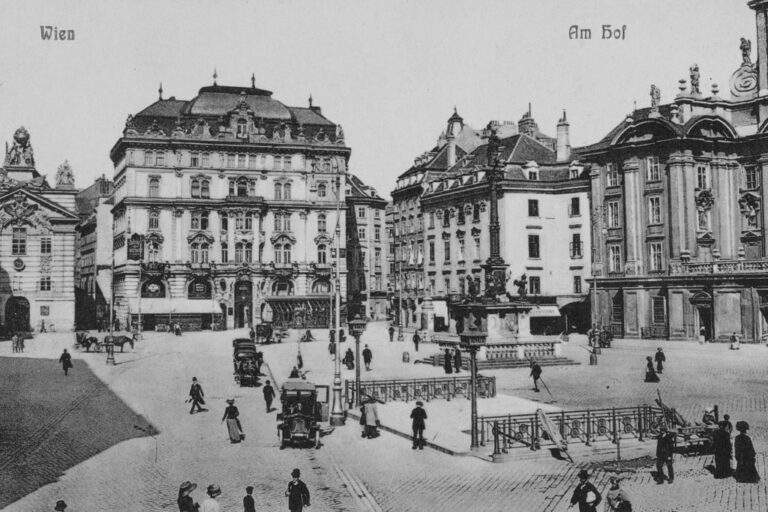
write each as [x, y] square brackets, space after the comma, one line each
[746, 50]
[695, 79]
[21, 152]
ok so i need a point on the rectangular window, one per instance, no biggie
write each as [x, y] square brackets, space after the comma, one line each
[461, 249]
[575, 209]
[534, 285]
[659, 311]
[476, 212]
[447, 282]
[19, 242]
[576, 284]
[241, 161]
[533, 175]
[224, 253]
[751, 177]
[278, 222]
[576, 246]
[446, 219]
[45, 284]
[377, 257]
[287, 222]
[533, 246]
[361, 213]
[533, 208]
[160, 158]
[149, 159]
[45, 245]
[206, 162]
[652, 169]
[654, 210]
[612, 175]
[703, 219]
[460, 215]
[702, 177]
[614, 258]
[432, 252]
[476, 248]
[657, 257]
[447, 250]
[613, 215]
[377, 214]
[361, 233]
[431, 220]
[230, 160]
[377, 234]
[194, 160]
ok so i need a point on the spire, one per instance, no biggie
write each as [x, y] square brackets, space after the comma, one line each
[310, 100]
[529, 109]
[253, 80]
[215, 76]
[160, 91]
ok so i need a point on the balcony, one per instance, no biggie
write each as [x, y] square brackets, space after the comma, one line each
[245, 199]
[719, 267]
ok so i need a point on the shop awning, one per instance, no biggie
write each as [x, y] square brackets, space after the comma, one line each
[175, 306]
[544, 311]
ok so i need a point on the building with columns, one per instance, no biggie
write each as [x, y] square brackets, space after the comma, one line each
[543, 208]
[37, 243]
[679, 216]
[224, 211]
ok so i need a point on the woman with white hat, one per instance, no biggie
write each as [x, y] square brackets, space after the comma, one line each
[211, 505]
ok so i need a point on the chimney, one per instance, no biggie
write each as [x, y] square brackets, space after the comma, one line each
[527, 124]
[563, 139]
[455, 125]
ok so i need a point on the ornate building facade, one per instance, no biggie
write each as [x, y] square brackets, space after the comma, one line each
[679, 217]
[224, 214]
[543, 201]
[37, 243]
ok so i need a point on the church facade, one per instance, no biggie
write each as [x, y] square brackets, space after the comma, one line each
[37, 243]
[224, 212]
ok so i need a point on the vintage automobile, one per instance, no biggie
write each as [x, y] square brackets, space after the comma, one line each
[304, 406]
[246, 360]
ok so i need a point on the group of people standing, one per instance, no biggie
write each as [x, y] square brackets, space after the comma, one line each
[651, 373]
[741, 449]
[452, 361]
[297, 493]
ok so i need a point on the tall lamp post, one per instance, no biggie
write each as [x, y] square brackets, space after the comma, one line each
[356, 328]
[337, 413]
[400, 297]
[472, 340]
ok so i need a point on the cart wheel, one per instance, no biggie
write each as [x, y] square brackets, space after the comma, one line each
[97, 347]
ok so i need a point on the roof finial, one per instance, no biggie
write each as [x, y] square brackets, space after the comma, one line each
[634, 103]
[215, 76]
[160, 91]
[310, 100]
[253, 80]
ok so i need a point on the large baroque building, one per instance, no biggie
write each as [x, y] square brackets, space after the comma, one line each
[37, 243]
[224, 211]
[679, 209]
[543, 202]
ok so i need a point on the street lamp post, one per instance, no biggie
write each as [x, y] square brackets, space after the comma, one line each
[400, 298]
[472, 341]
[337, 413]
[356, 328]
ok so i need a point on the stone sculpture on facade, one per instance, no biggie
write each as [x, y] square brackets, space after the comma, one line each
[21, 152]
[694, 70]
[65, 178]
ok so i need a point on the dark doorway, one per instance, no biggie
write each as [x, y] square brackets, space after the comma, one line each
[243, 302]
[705, 321]
[17, 314]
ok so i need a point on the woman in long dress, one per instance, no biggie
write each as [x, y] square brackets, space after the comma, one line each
[233, 422]
[745, 455]
[650, 372]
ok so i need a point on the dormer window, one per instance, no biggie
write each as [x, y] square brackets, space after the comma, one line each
[533, 175]
[242, 129]
[574, 173]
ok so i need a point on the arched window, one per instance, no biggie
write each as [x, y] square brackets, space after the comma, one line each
[321, 286]
[287, 191]
[154, 187]
[154, 220]
[321, 190]
[153, 289]
[321, 253]
[204, 252]
[242, 188]
[278, 191]
[278, 254]
[282, 287]
[198, 252]
[321, 223]
[248, 253]
[239, 252]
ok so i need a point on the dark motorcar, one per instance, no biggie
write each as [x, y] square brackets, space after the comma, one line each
[304, 405]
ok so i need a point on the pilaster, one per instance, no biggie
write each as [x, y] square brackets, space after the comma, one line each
[762, 164]
[633, 214]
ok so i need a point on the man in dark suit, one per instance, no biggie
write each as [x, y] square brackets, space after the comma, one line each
[665, 444]
[248, 504]
[196, 395]
[536, 374]
[416, 340]
[269, 395]
[66, 361]
[585, 494]
[418, 415]
[297, 492]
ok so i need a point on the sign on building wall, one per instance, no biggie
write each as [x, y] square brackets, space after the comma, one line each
[135, 248]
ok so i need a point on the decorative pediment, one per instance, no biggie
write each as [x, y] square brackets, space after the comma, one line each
[19, 211]
[282, 235]
[705, 238]
[323, 238]
[155, 237]
[200, 236]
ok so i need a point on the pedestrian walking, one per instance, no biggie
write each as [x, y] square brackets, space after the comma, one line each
[299, 360]
[585, 494]
[665, 443]
[342, 336]
[349, 359]
[252, 334]
[745, 455]
[269, 395]
[728, 424]
[721, 440]
[371, 419]
[332, 348]
[702, 335]
[660, 359]
[367, 357]
[332, 335]
[177, 329]
[591, 336]
[416, 340]
[447, 363]
[15, 342]
[211, 505]
[457, 360]
[297, 492]
[196, 396]
[185, 501]
[616, 495]
[735, 343]
[650, 372]
[391, 333]
[418, 415]
[248, 504]
[21, 341]
[535, 374]
[66, 362]
[60, 506]
[117, 324]
[231, 415]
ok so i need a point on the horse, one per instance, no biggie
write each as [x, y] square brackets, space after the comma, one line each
[121, 341]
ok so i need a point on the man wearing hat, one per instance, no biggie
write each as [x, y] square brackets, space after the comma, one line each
[660, 359]
[665, 443]
[196, 396]
[297, 492]
[211, 505]
[418, 415]
[60, 505]
[185, 501]
[585, 494]
[269, 395]
[367, 357]
[248, 504]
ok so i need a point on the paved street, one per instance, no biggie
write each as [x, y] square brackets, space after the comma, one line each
[350, 473]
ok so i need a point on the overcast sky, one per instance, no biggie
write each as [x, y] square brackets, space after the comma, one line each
[390, 72]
